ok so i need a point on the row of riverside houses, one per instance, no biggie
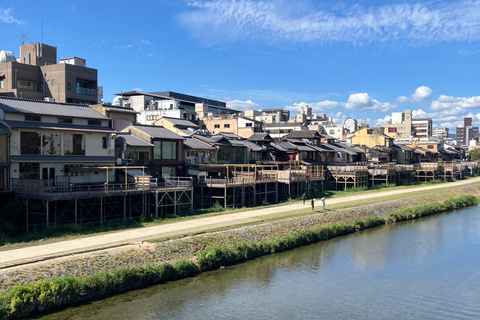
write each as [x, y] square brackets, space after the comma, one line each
[157, 153]
[69, 164]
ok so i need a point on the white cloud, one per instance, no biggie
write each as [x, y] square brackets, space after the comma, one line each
[385, 120]
[448, 103]
[362, 102]
[422, 93]
[242, 105]
[316, 106]
[275, 21]
[419, 114]
[137, 89]
[6, 16]
[146, 42]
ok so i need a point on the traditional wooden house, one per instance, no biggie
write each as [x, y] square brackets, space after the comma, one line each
[56, 142]
[167, 158]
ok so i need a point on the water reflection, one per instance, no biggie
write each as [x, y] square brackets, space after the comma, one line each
[424, 269]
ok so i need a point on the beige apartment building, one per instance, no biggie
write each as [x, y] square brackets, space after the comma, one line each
[37, 75]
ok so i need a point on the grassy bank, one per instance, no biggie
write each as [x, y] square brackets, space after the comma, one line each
[22, 300]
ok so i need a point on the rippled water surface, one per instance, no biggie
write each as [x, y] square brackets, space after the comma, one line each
[423, 269]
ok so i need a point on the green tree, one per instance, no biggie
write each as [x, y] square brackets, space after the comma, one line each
[475, 154]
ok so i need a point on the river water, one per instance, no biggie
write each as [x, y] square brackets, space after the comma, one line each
[423, 269]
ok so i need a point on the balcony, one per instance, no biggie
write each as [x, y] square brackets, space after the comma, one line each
[86, 91]
[48, 190]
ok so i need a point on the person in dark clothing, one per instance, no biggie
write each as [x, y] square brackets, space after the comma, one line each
[313, 204]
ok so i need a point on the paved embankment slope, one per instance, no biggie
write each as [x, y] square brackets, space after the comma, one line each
[200, 224]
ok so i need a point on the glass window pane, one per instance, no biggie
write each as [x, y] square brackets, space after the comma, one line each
[29, 143]
[73, 144]
[51, 144]
[157, 150]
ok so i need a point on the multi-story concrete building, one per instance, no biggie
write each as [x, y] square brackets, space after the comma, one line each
[400, 126]
[154, 105]
[422, 128]
[440, 132]
[241, 126]
[37, 75]
[466, 132]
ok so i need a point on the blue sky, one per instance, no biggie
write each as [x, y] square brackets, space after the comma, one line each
[364, 58]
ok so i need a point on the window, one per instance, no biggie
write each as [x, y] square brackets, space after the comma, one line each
[165, 150]
[48, 82]
[31, 117]
[65, 120]
[226, 125]
[29, 143]
[94, 122]
[331, 132]
[429, 146]
[169, 150]
[248, 124]
[73, 144]
[53, 82]
[1, 84]
[216, 126]
[104, 142]
[68, 86]
[29, 170]
[204, 126]
[51, 144]
[26, 84]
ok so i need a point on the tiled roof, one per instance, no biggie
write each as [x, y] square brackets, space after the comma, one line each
[49, 108]
[134, 141]
[191, 143]
[303, 134]
[262, 136]
[157, 132]
[180, 122]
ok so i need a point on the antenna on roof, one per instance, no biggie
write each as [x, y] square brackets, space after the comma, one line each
[22, 37]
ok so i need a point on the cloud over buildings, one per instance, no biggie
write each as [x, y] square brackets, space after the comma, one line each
[422, 93]
[280, 21]
[362, 102]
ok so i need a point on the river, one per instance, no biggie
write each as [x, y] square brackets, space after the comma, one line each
[422, 269]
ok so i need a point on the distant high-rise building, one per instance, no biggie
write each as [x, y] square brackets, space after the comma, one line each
[466, 132]
[440, 132]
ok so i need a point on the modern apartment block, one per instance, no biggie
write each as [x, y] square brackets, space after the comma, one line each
[37, 75]
[440, 132]
[466, 132]
[154, 105]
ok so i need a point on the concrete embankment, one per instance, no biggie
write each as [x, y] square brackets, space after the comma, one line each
[156, 254]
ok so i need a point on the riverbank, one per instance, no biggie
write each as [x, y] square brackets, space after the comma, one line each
[118, 270]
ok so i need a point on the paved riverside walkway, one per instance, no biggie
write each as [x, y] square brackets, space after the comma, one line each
[201, 224]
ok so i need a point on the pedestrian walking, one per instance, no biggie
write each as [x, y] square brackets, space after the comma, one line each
[323, 203]
[313, 204]
[304, 197]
